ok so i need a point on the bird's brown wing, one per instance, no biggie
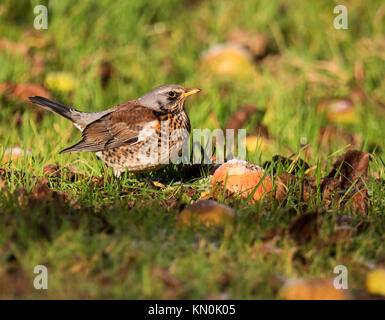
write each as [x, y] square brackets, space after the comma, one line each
[122, 126]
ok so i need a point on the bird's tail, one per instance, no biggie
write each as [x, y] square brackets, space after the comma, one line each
[79, 118]
[56, 107]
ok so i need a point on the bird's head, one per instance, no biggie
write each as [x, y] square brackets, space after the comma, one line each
[167, 98]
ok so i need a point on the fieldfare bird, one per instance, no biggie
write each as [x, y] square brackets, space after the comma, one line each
[136, 136]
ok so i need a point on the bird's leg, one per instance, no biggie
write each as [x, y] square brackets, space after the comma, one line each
[117, 174]
[149, 183]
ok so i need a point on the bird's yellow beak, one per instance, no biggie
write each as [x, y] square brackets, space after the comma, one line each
[190, 92]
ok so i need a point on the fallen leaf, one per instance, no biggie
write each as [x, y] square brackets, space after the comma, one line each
[229, 61]
[106, 70]
[346, 181]
[67, 173]
[43, 194]
[375, 282]
[350, 168]
[11, 154]
[60, 81]
[206, 212]
[305, 228]
[312, 289]
[339, 110]
[240, 117]
[158, 184]
[168, 279]
[13, 47]
[22, 91]
[170, 203]
[273, 233]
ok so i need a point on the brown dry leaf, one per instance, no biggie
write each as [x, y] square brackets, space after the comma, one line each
[41, 193]
[14, 281]
[273, 233]
[168, 279]
[261, 130]
[3, 172]
[351, 167]
[240, 117]
[106, 71]
[349, 172]
[282, 183]
[305, 228]
[26, 90]
[13, 47]
[305, 188]
[312, 289]
[256, 43]
[23, 91]
[56, 172]
[170, 203]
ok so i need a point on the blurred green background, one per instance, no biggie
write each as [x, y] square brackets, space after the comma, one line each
[277, 68]
[295, 66]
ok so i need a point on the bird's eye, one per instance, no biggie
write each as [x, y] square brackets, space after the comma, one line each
[172, 94]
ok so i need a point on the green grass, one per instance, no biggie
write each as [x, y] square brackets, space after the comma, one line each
[100, 243]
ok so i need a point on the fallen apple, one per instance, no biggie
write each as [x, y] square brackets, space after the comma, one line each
[242, 178]
[228, 60]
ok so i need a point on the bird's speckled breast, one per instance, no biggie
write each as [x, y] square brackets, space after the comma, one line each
[156, 155]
